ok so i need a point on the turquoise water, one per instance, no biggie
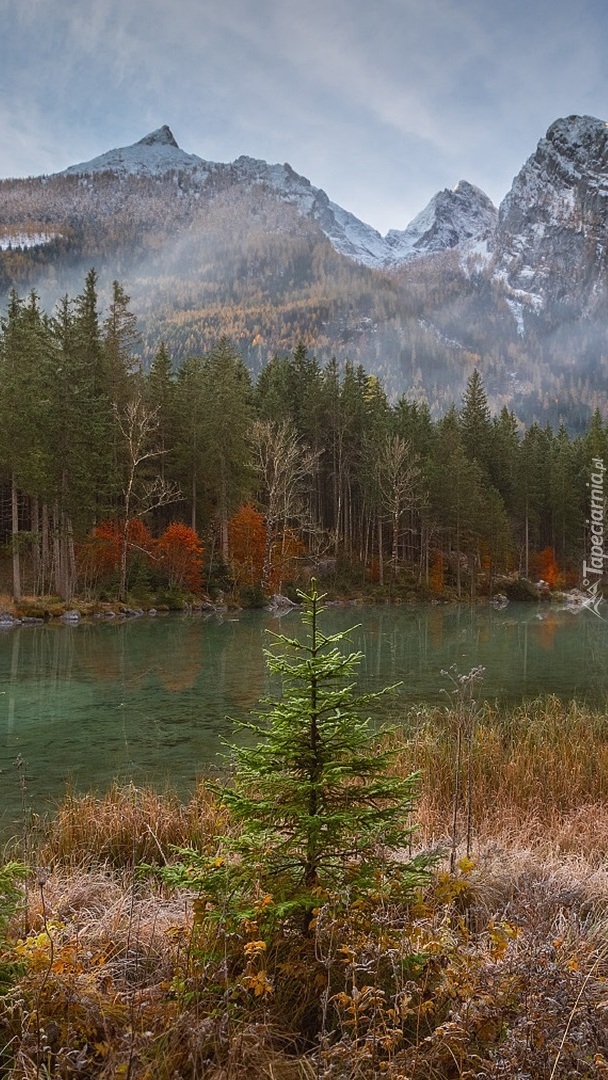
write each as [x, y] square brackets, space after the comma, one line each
[147, 700]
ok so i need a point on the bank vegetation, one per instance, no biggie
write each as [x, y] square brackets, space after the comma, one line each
[124, 955]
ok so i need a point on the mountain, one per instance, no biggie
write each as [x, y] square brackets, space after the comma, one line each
[551, 243]
[451, 218]
[155, 154]
[158, 154]
[256, 251]
[464, 217]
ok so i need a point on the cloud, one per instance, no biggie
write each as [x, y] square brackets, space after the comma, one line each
[380, 103]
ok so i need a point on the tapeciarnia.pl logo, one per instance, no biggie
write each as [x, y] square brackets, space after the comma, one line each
[593, 571]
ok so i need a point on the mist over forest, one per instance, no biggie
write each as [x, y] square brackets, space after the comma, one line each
[200, 263]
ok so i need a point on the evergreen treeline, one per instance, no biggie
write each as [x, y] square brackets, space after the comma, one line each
[206, 256]
[311, 464]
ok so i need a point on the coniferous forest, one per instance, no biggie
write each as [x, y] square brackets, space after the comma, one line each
[120, 481]
[346, 903]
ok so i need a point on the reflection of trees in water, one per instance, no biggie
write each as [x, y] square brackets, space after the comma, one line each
[526, 649]
[181, 661]
[245, 678]
[130, 654]
[435, 623]
[592, 636]
[546, 631]
[149, 697]
[225, 655]
[218, 665]
[14, 676]
[41, 659]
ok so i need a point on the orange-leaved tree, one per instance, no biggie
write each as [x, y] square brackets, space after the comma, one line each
[548, 567]
[436, 575]
[286, 552]
[180, 557]
[247, 545]
[99, 556]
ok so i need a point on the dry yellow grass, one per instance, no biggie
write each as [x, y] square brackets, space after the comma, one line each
[140, 984]
[538, 773]
[129, 825]
[112, 988]
[7, 603]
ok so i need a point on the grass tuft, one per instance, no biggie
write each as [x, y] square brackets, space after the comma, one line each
[130, 825]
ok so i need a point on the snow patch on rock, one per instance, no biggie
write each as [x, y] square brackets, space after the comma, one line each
[464, 218]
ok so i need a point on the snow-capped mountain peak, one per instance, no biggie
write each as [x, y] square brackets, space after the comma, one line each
[451, 218]
[163, 136]
[155, 154]
[461, 216]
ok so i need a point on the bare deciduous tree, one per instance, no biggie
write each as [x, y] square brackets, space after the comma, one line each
[285, 465]
[138, 426]
[398, 478]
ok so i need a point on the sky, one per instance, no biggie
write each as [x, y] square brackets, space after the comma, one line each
[381, 103]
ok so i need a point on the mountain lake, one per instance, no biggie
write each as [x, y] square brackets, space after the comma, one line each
[148, 700]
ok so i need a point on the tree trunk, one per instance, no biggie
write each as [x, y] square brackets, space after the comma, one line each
[527, 563]
[56, 574]
[395, 551]
[44, 551]
[66, 557]
[36, 554]
[193, 519]
[124, 544]
[15, 541]
[267, 567]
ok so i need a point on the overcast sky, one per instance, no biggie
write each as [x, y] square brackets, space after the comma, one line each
[380, 102]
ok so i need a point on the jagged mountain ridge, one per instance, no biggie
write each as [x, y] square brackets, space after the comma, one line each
[158, 153]
[256, 251]
[464, 215]
[547, 243]
[462, 218]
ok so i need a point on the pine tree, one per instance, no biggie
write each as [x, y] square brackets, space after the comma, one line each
[456, 492]
[504, 456]
[26, 452]
[532, 492]
[80, 417]
[225, 424]
[317, 802]
[120, 340]
[476, 424]
[188, 464]
[273, 390]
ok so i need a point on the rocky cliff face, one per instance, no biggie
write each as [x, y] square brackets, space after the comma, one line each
[551, 241]
[245, 248]
[547, 244]
[464, 217]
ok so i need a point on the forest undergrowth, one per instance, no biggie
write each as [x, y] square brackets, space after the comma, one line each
[144, 942]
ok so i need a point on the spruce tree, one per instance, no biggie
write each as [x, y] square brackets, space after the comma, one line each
[26, 357]
[225, 422]
[120, 341]
[476, 423]
[319, 805]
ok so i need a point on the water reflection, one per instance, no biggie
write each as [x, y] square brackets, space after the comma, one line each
[148, 699]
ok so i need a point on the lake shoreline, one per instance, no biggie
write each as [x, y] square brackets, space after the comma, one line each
[37, 610]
